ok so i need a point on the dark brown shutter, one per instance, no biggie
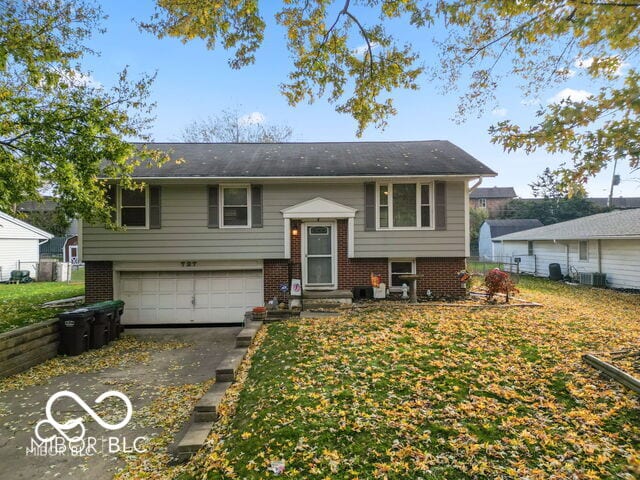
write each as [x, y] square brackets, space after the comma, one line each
[214, 221]
[154, 207]
[441, 205]
[369, 206]
[111, 196]
[256, 206]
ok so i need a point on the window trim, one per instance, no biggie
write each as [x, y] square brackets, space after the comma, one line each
[419, 203]
[146, 210]
[221, 189]
[586, 250]
[398, 260]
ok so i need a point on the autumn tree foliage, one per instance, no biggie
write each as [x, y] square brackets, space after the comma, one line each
[59, 129]
[496, 281]
[482, 43]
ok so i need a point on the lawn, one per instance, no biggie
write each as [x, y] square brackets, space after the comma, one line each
[438, 393]
[20, 304]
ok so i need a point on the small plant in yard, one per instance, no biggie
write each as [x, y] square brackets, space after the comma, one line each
[497, 281]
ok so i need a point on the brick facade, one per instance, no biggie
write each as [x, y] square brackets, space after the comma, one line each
[439, 273]
[276, 272]
[98, 281]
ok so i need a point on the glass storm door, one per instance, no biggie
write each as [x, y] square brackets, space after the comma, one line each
[319, 255]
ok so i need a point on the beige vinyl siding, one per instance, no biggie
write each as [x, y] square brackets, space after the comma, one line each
[184, 234]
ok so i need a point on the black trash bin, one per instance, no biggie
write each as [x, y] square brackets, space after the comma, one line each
[103, 313]
[555, 272]
[75, 331]
[117, 320]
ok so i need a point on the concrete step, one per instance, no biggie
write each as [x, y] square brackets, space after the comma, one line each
[326, 303]
[206, 410]
[327, 294]
[226, 371]
[245, 337]
[193, 440]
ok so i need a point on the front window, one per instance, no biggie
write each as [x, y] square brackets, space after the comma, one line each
[405, 205]
[398, 268]
[133, 208]
[235, 207]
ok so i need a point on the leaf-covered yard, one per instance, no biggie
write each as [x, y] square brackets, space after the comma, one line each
[20, 304]
[436, 392]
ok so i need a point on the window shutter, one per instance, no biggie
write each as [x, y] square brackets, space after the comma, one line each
[214, 221]
[111, 196]
[369, 206]
[441, 205]
[154, 207]
[256, 206]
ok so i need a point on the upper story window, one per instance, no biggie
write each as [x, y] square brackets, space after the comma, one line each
[134, 208]
[482, 202]
[235, 206]
[405, 205]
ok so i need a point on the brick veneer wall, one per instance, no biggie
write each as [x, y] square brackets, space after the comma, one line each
[98, 279]
[276, 272]
[353, 272]
[440, 276]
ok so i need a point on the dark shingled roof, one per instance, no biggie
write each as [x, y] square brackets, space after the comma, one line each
[511, 225]
[493, 192]
[219, 160]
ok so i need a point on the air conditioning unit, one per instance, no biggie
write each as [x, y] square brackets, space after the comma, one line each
[593, 279]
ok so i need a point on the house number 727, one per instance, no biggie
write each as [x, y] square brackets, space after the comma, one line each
[188, 264]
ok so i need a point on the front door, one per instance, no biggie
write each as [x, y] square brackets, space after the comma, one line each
[319, 262]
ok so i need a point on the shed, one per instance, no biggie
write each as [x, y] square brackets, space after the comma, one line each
[19, 246]
[488, 248]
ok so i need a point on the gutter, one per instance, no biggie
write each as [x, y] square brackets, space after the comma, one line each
[476, 185]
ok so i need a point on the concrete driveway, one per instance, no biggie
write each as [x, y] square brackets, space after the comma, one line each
[144, 384]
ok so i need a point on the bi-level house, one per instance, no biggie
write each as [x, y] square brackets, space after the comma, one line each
[222, 231]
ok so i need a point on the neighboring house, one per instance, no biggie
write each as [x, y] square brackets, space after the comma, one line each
[220, 233]
[490, 249]
[19, 246]
[64, 249]
[493, 199]
[49, 204]
[604, 243]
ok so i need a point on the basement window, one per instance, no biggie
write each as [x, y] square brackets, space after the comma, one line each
[398, 267]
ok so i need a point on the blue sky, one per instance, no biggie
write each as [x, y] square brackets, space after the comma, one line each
[193, 83]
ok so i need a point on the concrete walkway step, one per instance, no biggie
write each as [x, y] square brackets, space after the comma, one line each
[193, 440]
[333, 294]
[226, 371]
[245, 337]
[206, 410]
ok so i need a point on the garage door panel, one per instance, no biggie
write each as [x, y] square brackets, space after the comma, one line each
[166, 297]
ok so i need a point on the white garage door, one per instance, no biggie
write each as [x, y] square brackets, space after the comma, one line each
[189, 297]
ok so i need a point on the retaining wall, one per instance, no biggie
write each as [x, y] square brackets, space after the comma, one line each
[25, 347]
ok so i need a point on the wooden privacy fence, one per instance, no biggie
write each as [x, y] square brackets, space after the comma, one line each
[25, 347]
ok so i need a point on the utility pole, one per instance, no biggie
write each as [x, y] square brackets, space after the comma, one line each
[615, 180]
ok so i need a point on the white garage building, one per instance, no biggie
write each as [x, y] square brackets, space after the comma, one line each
[19, 246]
[606, 243]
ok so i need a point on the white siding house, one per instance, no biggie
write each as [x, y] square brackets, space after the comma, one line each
[606, 243]
[19, 246]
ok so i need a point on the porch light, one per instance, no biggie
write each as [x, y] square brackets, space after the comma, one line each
[294, 232]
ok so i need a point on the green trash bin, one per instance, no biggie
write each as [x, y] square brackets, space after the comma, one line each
[75, 331]
[103, 314]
